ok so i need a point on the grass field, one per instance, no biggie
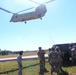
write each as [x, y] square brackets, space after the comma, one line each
[30, 67]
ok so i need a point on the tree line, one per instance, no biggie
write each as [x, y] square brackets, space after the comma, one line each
[7, 52]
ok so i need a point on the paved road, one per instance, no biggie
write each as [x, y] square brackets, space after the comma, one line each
[33, 57]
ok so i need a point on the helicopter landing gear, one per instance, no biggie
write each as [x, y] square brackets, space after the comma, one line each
[25, 21]
[41, 18]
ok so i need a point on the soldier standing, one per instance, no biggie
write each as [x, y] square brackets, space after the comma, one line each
[54, 62]
[41, 57]
[50, 49]
[60, 60]
[19, 60]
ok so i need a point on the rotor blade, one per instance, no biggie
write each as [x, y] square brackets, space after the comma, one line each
[41, 3]
[6, 10]
[49, 1]
[34, 2]
[26, 9]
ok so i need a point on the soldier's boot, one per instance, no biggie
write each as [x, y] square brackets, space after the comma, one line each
[45, 70]
[41, 72]
[51, 73]
[58, 73]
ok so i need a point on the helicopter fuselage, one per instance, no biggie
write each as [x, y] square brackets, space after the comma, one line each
[38, 13]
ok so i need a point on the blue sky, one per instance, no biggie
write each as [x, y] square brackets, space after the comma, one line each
[57, 26]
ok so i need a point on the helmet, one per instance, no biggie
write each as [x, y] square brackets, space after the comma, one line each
[57, 48]
[20, 52]
[50, 49]
[40, 47]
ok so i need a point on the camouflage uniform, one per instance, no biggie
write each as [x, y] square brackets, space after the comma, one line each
[41, 57]
[60, 60]
[49, 54]
[73, 54]
[19, 60]
[54, 62]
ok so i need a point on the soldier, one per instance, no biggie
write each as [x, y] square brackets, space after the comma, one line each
[49, 53]
[41, 57]
[53, 60]
[60, 60]
[19, 60]
[50, 50]
[73, 54]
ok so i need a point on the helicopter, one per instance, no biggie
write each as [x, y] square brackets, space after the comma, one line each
[38, 13]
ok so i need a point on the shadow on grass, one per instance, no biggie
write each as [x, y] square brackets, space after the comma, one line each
[64, 73]
[31, 65]
[65, 64]
[18, 69]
